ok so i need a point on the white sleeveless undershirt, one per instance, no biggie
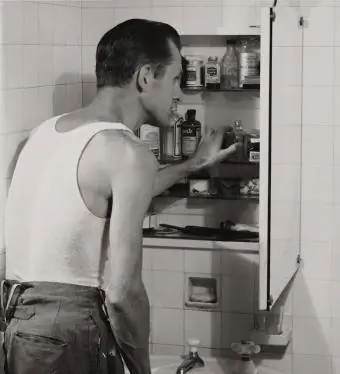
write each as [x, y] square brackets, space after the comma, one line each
[50, 235]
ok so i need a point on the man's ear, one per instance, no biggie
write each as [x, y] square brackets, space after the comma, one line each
[145, 78]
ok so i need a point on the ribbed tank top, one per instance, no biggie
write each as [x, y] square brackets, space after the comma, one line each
[50, 235]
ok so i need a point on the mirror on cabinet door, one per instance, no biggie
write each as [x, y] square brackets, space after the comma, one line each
[280, 210]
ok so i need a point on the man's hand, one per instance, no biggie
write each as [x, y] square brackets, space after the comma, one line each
[209, 150]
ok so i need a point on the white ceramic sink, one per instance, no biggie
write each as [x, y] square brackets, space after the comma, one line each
[169, 364]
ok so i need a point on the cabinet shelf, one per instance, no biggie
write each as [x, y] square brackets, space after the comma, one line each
[253, 89]
[224, 162]
[182, 191]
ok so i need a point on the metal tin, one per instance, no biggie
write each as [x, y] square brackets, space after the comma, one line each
[194, 70]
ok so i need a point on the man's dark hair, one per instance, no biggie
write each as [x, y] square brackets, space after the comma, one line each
[130, 45]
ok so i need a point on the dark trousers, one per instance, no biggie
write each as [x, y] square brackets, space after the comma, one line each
[55, 328]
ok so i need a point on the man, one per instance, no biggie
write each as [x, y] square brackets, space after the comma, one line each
[80, 191]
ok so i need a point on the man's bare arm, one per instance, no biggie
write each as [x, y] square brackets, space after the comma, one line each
[208, 153]
[132, 183]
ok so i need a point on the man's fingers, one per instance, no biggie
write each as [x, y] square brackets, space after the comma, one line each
[222, 154]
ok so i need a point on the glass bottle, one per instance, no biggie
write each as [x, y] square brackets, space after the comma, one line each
[172, 134]
[191, 134]
[230, 68]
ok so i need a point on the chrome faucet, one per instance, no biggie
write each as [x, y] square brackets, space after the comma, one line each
[192, 360]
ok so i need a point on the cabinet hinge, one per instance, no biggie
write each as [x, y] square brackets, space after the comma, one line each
[273, 15]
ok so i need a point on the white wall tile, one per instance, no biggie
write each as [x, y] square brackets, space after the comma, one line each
[203, 20]
[318, 66]
[335, 337]
[195, 3]
[336, 299]
[45, 65]
[335, 265]
[240, 18]
[47, 105]
[285, 220]
[314, 99]
[165, 332]
[30, 26]
[316, 222]
[287, 66]
[132, 3]
[167, 3]
[317, 184]
[204, 326]
[290, 190]
[201, 261]
[235, 327]
[312, 336]
[168, 289]
[337, 146]
[13, 66]
[12, 145]
[165, 349]
[335, 365]
[286, 29]
[311, 364]
[30, 65]
[170, 15]
[336, 181]
[337, 25]
[12, 117]
[89, 63]
[336, 66]
[30, 107]
[147, 258]
[314, 35]
[317, 260]
[96, 22]
[67, 64]
[312, 298]
[168, 259]
[122, 14]
[239, 265]
[45, 20]
[237, 295]
[12, 22]
[336, 106]
[287, 105]
[70, 19]
[147, 277]
[286, 152]
[317, 145]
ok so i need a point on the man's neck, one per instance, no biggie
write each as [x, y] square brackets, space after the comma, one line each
[113, 104]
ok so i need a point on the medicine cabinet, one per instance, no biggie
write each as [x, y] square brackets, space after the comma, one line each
[275, 109]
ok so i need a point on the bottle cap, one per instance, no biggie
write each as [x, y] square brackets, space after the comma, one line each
[191, 114]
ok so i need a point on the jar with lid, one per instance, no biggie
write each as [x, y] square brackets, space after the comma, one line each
[193, 75]
[248, 59]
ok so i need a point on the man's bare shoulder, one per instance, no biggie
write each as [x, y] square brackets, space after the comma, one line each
[128, 149]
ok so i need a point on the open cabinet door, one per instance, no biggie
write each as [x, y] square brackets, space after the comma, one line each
[279, 265]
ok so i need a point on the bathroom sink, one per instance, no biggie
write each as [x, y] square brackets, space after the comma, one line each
[169, 364]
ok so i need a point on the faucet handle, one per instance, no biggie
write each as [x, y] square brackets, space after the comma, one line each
[193, 343]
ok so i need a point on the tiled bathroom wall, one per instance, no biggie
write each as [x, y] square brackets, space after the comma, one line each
[45, 48]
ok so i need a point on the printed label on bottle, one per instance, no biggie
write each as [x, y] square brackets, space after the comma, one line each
[212, 74]
[248, 65]
[191, 77]
[189, 145]
[189, 141]
[254, 156]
